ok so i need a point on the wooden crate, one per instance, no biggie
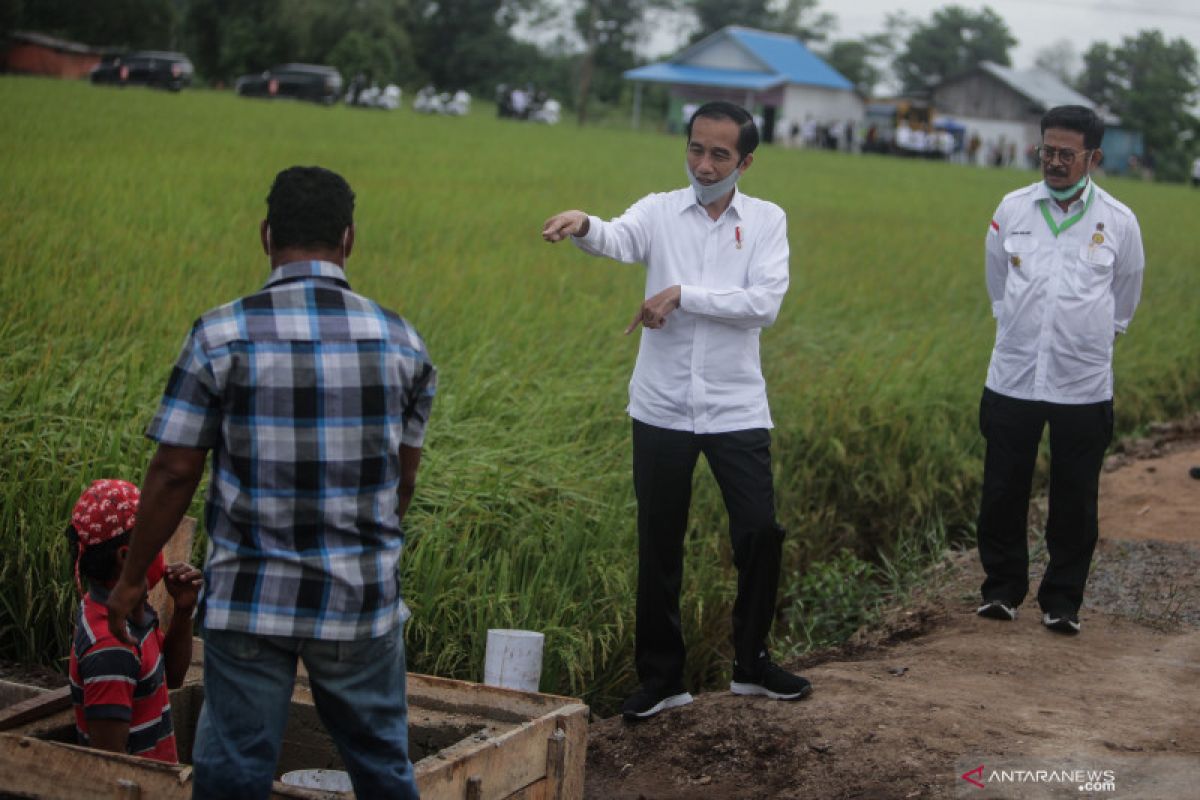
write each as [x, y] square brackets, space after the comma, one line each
[469, 741]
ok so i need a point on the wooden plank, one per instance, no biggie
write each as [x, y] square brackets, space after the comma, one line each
[556, 761]
[52, 771]
[504, 764]
[506, 705]
[573, 722]
[178, 548]
[35, 708]
[538, 790]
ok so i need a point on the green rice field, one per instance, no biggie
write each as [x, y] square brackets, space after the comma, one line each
[124, 214]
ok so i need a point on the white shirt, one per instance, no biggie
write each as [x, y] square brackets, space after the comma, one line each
[1059, 301]
[700, 372]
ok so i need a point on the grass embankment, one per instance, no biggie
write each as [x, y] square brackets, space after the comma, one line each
[125, 214]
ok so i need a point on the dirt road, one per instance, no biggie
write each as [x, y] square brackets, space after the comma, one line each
[1113, 712]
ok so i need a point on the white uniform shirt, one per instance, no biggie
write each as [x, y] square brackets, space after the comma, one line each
[700, 372]
[1059, 301]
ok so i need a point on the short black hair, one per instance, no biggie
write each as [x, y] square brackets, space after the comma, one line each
[720, 109]
[99, 561]
[309, 206]
[1076, 118]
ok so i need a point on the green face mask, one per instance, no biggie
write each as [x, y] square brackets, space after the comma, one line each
[1063, 194]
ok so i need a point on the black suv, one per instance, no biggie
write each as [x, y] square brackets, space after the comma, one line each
[146, 68]
[298, 81]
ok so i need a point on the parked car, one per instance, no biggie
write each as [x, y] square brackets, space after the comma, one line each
[297, 81]
[146, 68]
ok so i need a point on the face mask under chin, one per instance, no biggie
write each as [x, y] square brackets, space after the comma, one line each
[1064, 194]
[706, 194]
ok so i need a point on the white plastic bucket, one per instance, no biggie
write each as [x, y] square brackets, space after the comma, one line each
[513, 659]
[331, 780]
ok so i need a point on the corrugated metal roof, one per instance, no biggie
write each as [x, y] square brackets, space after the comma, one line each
[1043, 88]
[786, 57]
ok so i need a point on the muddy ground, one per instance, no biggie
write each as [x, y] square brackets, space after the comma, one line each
[934, 691]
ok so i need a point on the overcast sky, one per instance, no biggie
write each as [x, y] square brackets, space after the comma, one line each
[1035, 24]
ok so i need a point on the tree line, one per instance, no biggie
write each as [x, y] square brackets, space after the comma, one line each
[1151, 83]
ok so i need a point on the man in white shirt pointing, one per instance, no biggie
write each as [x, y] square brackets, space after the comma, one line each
[1064, 274]
[716, 272]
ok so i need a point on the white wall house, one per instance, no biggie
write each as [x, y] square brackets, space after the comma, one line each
[772, 75]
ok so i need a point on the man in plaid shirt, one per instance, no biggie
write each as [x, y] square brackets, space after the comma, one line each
[314, 402]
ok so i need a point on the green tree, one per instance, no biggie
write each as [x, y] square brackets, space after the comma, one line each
[954, 41]
[1152, 85]
[227, 38]
[466, 43]
[855, 59]
[133, 24]
[609, 29]
[11, 12]
[370, 37]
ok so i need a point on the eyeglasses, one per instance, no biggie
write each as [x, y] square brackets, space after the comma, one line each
[1066, 155]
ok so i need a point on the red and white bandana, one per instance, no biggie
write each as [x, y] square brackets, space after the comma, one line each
[106, 509]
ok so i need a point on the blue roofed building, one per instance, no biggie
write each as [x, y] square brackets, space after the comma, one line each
[771, 74]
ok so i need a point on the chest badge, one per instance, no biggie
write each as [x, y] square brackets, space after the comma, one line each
[737, 235]
[1099, 226]
[1015, 261]
[1097, 238]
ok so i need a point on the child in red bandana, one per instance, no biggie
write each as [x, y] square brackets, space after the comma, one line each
[120, 692]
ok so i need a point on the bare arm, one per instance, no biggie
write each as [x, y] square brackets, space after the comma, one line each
[108, 734]
[183, 583]
[171, 480]
[410, 462]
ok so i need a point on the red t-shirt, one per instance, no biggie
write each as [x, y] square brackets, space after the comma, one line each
[110, 680]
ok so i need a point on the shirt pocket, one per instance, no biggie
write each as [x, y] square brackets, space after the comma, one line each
[1094, 268]
[1019, 253]
[1099, 257]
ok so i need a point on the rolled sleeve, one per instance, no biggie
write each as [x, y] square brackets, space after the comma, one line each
[189, 414]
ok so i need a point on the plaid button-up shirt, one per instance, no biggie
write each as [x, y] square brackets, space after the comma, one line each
[304, 392]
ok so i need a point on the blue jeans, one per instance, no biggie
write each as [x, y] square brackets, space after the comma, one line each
[359, 691]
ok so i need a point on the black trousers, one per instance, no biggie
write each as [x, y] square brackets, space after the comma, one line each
[1079, 435]
[663, 463]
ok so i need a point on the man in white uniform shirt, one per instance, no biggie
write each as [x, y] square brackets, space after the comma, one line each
[1064, 274]
[716, 272]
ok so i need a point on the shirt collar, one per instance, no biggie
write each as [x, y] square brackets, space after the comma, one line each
[1042, 192]
[688, 200]
[303, 270]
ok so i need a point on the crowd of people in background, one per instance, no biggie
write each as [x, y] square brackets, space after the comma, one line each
[942, 140]
[527, 103]
[364, 93]
[430, 101]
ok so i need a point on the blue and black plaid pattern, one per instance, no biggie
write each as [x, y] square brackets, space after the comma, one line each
[305, 392]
